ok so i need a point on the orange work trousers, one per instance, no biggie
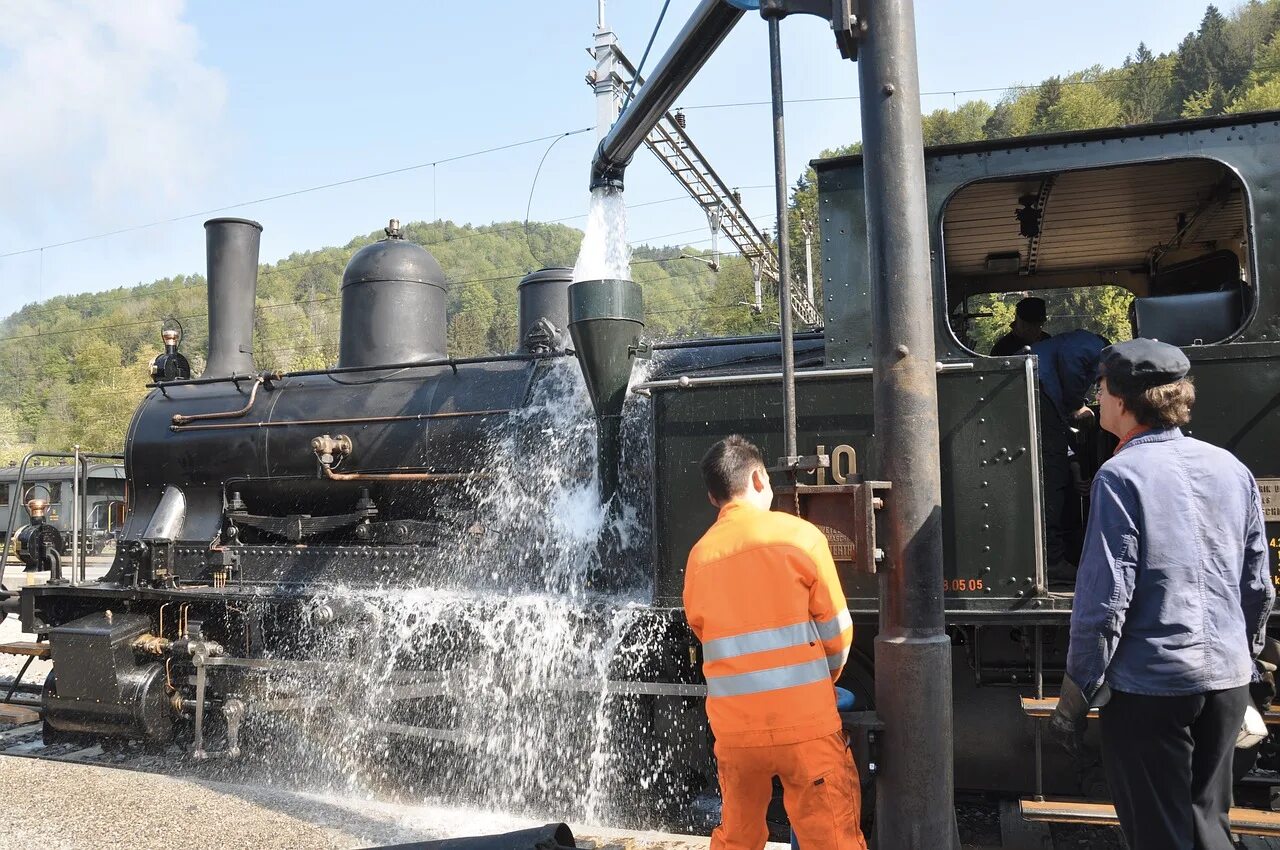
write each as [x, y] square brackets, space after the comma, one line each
[820, 791]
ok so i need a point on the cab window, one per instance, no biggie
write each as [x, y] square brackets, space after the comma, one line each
[1155, 249]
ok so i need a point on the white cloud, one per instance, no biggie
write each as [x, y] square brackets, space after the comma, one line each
[105, 107]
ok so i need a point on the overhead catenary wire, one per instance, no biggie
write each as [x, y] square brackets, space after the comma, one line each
[644, 57]
[294, 193]
[140, 291]
[1115, 80]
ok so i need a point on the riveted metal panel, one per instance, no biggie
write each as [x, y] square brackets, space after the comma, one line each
[989, 494]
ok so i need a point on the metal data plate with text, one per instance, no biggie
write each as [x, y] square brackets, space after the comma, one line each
[1270, 490]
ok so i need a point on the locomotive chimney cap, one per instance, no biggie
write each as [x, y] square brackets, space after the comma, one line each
[37, 507]
[229, 219]
[170, 336]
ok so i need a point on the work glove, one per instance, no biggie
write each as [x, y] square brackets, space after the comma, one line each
[1069, 719]
[1262, 690]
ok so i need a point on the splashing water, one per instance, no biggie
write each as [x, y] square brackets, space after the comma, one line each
[605, 253]
[489, 685]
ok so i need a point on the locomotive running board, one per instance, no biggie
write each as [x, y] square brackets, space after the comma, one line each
[28, 648]
[1044, 708]
[1243, 821]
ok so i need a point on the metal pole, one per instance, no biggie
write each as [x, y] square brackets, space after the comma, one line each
[75, 511]
[808, 259]
[784, 250]
[606, 75]
[915, 800]
[84, 518]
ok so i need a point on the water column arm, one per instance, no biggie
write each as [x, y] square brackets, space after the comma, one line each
[692, 47]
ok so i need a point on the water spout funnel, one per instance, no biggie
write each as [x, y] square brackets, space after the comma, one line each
[606, 318]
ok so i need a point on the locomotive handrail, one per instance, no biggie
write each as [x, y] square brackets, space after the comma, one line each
[354, 420]
[183, 419]
[452, 362]
[687, 382]
[718, 341]
[1037, 519]
[79, 457]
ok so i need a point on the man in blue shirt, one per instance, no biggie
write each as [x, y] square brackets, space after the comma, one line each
[1068, 368]
[1170, 610]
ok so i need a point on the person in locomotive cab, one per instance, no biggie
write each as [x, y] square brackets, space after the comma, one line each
[1170, 608]
[1026, 329]
[1068, 369]
[762, 595]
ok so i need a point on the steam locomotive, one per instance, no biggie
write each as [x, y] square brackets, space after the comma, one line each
[261, 503]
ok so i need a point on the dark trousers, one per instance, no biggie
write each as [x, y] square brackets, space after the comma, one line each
[1168, 762]
[1054, 442]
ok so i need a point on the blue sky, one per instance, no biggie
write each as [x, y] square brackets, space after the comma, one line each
[114, 119]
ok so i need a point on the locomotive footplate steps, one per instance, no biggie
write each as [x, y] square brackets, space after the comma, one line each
[29, 648]
[1042, 709]
[1243, 821]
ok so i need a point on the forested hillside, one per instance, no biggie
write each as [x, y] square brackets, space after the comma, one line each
[72, 369]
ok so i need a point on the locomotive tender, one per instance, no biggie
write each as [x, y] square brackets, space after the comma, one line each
[251, 496]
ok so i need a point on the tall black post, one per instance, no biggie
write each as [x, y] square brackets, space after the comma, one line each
[784, 252]
[915, 807]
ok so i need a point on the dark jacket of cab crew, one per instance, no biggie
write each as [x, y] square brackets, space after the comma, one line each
[1155, 609]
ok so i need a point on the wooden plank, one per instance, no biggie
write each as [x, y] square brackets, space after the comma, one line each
[1043, 708]
[25, 647]
[18, 715]
[1244, 821]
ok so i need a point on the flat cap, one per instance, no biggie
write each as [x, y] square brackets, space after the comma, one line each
[1031, 310]
[1140, 364]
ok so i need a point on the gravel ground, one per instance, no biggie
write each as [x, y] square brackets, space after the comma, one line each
[74, 806]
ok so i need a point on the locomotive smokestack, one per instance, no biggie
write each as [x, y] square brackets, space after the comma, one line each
[232, 251]
[606, 318]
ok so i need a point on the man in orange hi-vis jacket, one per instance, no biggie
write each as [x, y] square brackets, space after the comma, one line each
[762, 594]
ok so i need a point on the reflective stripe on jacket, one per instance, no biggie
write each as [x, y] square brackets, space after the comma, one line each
[762, 594]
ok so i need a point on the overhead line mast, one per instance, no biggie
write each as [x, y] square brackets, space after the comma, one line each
[670, 143]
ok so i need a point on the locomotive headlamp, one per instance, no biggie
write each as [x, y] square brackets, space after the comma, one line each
[170, 366]
[37, 508]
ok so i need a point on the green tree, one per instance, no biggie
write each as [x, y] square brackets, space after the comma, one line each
[966, 123]
[1145, 86]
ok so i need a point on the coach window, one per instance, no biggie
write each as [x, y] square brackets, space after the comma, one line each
[1156, 249]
